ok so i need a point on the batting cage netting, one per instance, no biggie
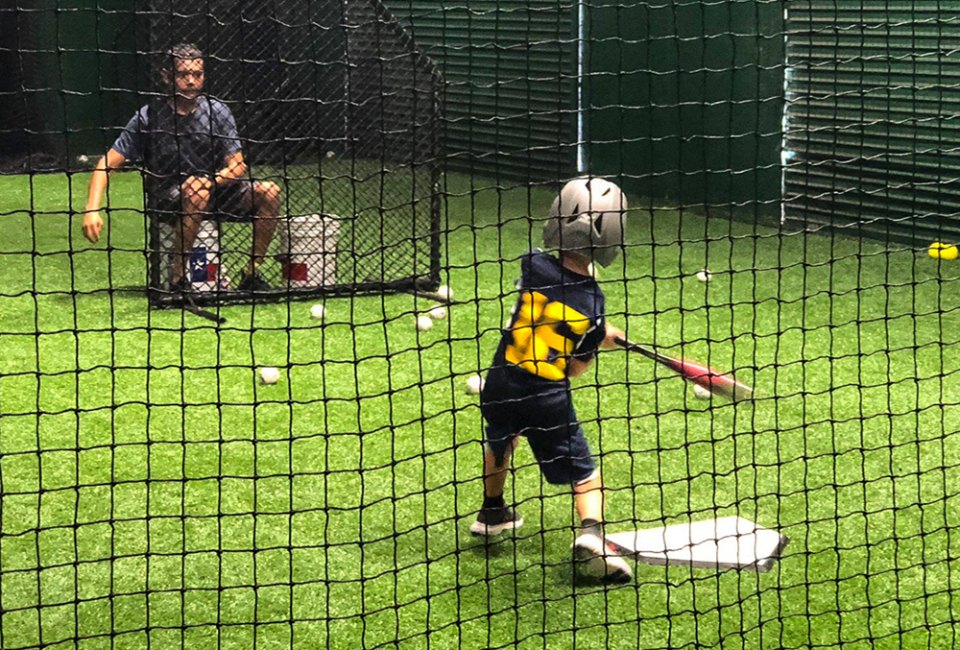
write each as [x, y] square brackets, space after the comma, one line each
[260, 384]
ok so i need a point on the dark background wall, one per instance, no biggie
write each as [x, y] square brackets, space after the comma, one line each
[684, 99]
[69, 76]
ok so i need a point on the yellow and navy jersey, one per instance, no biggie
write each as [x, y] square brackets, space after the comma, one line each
[559, 314]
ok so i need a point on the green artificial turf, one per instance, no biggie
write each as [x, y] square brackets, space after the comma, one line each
[155, 495]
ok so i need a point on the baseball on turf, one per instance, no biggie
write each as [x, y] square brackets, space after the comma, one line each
[700, 392]
[318, 311]
[474, 384]
[704, 275]
[445, 293]
[940, 251]
[269, 375]
[438, 313]
[424, 323]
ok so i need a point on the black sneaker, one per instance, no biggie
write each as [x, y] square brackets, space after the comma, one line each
[493, 521]
[598, 560]
[183, 285]
[253, 282]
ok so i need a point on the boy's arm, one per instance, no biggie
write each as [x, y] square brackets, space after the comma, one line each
[576, 367]
[610, 339]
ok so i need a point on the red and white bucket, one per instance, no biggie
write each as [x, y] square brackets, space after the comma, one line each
[308, 250]
[203, 266]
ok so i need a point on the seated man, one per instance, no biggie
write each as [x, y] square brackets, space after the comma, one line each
[193, 167]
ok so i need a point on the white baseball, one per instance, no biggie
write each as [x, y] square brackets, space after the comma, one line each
[445, 293]
[438, 313]
[474, 384]
[269, 375]
[83, 158]
[591, 270]
[318, 311]
[704, 275]
[700, 392]
[424, 323]
[331, 154]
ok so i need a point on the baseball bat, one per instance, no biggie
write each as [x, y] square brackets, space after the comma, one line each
[193, 308]
[712, 380]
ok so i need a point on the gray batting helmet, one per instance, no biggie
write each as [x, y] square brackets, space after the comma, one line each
[587, 218]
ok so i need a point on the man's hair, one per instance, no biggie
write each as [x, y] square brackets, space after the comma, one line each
[182, 52]
[166, 65]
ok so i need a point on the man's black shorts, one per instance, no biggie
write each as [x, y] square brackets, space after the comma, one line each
[231, 202]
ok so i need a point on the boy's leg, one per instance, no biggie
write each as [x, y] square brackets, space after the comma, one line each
[596, 558]
[494, 473]
[495, 516]
[588, 495]
[565, 459]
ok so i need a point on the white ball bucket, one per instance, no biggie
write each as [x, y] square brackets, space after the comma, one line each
[202, 268]
[308, 250]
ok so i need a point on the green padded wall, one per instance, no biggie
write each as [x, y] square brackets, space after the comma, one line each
[872, 118]
[510, 71]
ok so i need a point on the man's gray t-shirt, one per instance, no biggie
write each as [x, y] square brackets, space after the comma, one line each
[172, 147]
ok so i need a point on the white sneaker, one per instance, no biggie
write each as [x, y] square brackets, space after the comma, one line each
[598, 560]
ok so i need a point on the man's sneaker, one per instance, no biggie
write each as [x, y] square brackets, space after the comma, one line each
[183, 285]
[253, 282]
[493, 521]
[598, 560]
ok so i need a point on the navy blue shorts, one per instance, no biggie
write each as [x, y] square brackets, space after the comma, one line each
[547, 420]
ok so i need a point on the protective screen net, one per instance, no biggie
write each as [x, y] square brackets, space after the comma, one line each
[337, 106]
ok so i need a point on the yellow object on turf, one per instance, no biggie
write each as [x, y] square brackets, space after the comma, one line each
[941, 251]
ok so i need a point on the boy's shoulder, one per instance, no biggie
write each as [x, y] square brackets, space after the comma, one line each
[542, 265]
[545, 273]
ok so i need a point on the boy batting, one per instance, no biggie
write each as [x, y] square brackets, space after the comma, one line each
[557, 327]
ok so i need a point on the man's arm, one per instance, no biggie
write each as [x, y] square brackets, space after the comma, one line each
[92, 222]
[234, 168]
[225, 126]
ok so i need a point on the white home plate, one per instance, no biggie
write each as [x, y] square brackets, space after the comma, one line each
[725, 543]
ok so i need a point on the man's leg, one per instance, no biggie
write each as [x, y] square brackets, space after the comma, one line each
[266, 208]
[194, 203]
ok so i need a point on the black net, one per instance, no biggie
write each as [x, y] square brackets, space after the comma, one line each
[299, 475]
